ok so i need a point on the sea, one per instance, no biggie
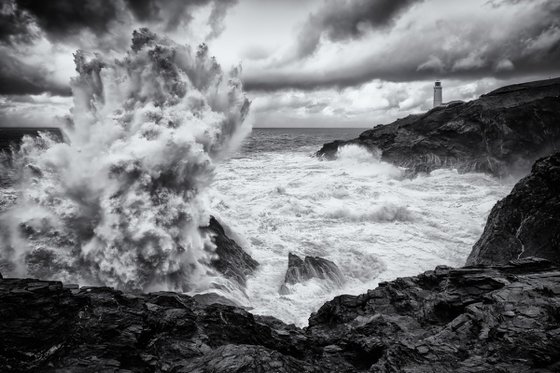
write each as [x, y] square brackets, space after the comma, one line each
[275, 197]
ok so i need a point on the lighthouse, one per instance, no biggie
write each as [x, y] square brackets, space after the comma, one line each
[437, 93]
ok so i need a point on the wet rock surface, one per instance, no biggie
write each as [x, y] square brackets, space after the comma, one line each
[526, 222]
[232, 261]
[300, 270]
[472, 319]
[502, 132]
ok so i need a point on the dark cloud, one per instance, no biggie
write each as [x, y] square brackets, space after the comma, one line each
[521, 50]
[14, 24]
[169, 12]
[63, 18]
[217, 16]
[17, 78]
[342, 20]
[25, 22]
[173, 13]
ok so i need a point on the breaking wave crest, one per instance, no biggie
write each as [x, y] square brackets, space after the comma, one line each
[367, 162]
[121, 202]
[385, 212]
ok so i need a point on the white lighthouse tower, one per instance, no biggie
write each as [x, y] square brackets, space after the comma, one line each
[437, 93]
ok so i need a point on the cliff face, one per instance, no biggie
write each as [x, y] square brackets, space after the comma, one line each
[503, 131]
[498, 319]
[526, 222]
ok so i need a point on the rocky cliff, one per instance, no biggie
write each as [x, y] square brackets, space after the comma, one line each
[477, 319]
[502, 132]
[526, 222]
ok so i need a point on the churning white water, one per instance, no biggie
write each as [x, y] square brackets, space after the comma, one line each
[121, 202]
[356, 211]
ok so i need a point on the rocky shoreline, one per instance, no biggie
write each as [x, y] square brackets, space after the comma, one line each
[472, 319]
[503, 132]
[483, 318]
[527, 222]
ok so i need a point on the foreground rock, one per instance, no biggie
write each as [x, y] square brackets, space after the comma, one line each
[478, 319]
[310, 267]
[45, 326]
[502, 132]
[232, 261]
[501, 319]
[527, 222]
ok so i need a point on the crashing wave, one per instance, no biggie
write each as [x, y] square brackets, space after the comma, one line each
[121, 202]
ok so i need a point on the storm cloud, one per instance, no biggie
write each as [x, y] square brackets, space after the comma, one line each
[172, 13]
[313, 62]
[60, 19]
[343, 20]
[17, 77]
[507, 39]
[28, 27]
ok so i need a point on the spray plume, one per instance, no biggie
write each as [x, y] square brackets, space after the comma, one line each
[122, 201]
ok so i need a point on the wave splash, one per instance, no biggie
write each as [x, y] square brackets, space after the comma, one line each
[121, 202]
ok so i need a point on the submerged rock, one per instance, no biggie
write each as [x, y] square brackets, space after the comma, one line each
[502, 132]
[525, 223]
[478, 319]
[232, 261]
[310, 267]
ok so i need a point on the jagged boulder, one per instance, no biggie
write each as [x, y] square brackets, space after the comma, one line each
[525, 223]
[502, 132]
[310, 267]
[232, 261]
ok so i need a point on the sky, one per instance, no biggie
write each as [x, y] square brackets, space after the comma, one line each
[306, 63]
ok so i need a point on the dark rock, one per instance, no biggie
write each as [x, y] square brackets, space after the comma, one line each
[232, 261]
[502, 132]
[246, 358]
[498, 319]
[526, 223]
[44, 326]
[310, 267]
[478, 319]
[213, 298]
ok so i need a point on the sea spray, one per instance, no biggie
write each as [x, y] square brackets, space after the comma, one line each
[121, 202]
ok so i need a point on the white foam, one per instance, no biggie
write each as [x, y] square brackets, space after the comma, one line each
[356, 211]
[121, 203]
